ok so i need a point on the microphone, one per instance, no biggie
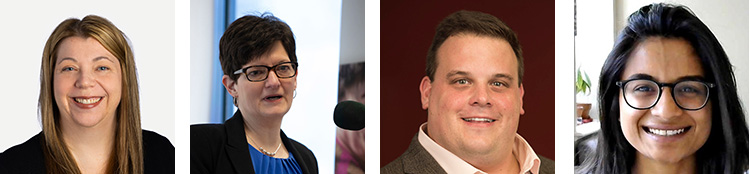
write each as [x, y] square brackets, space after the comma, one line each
[349, 115]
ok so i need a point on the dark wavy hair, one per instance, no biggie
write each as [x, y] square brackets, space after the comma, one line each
[726, 150]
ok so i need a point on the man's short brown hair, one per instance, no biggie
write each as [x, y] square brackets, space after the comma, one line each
[472, 22]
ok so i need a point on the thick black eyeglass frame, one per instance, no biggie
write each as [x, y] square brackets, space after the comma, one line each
[622, 84]
[294, 66]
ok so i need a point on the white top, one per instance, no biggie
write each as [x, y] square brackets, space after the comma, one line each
[527, 159]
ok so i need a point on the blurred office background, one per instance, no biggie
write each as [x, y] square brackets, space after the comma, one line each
[328, 33]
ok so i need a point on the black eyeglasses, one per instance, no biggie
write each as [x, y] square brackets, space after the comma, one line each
[257, 73]
[644, 94]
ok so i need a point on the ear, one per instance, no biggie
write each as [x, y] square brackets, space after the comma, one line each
[230, 85]
[424, 88]
[521, 100]
[295, 80]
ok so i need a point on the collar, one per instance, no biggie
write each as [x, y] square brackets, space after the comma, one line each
[528, 160]
[239, 153]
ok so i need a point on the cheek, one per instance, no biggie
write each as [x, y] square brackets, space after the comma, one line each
[507, 101]
[112, 84]
[249, 90]
[449, 100]
[629, 118]
[61, 86]
[703, 120]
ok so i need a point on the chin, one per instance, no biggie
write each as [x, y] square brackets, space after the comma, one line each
[87, 120]
[665, 156]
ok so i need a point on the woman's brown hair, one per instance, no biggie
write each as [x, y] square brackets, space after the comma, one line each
[127, 153]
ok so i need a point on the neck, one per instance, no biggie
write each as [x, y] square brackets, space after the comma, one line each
[91, 147]
[264, 132]
[644, 164]
[502, 163]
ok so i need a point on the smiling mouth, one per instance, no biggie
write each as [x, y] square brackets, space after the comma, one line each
[87, 100]
[666, 132]
[479, 120]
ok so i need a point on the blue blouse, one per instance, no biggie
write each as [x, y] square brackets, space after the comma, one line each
[265, 164]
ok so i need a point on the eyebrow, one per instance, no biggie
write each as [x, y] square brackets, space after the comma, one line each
[649, 77]
[464, 73]
[103, 57]
[95, 59]
[67, 58]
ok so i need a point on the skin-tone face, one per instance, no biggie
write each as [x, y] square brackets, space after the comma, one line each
[664, 60]
[475, 100]
[270, 98]
[87, 83]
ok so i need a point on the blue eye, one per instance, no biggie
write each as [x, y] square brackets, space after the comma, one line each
[102, 68]
[68, 69]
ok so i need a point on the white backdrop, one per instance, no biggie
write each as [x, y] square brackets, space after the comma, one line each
[25, 28]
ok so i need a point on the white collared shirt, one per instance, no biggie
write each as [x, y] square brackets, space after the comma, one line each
[527, 159]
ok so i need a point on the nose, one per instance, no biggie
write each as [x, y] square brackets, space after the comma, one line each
[666, 107]
[272, 81]
[480, 97]
[85, 79]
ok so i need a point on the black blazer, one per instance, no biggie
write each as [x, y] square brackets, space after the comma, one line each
[158, 155]
[222, 148]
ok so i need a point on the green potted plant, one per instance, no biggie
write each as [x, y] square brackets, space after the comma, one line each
[583, 86]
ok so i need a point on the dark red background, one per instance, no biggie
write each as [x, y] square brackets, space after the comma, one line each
[406, 31]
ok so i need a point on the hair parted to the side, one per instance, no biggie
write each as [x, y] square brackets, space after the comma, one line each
[249, 37]
[472, 22]
[128, 151]
[726, 150]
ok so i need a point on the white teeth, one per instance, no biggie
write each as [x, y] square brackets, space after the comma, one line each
[479, 120]
[665, 132]
[88, 101]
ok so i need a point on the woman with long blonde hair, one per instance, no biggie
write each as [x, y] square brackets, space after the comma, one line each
[89, 108]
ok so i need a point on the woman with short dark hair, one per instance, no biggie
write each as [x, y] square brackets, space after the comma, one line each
[257, 55]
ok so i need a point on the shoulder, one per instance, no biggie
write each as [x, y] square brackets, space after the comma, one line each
[158, 153]
[415, 159]
[206, 144]
[203, 131]
[154, 140]
[546, 166]
[395, 166]
[207, 136]
[24, 158]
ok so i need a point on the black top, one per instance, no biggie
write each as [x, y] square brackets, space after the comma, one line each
[158, 155]
[223, 148]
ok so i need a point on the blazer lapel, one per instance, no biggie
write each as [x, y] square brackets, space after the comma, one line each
[297, 156]
[236, 148]
[417, 160]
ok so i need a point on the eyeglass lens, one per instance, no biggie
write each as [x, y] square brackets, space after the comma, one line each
[643, 94]
[284, 70]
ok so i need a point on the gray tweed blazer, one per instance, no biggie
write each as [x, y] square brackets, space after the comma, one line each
[417, 160]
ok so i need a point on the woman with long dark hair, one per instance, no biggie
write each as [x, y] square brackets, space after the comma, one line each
[668, 100]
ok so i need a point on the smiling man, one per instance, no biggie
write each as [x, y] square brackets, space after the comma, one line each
[474, 97]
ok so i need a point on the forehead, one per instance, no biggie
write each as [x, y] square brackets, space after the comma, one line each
[665, 59]
[469, 52]
[275, 54]
[82, 48]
